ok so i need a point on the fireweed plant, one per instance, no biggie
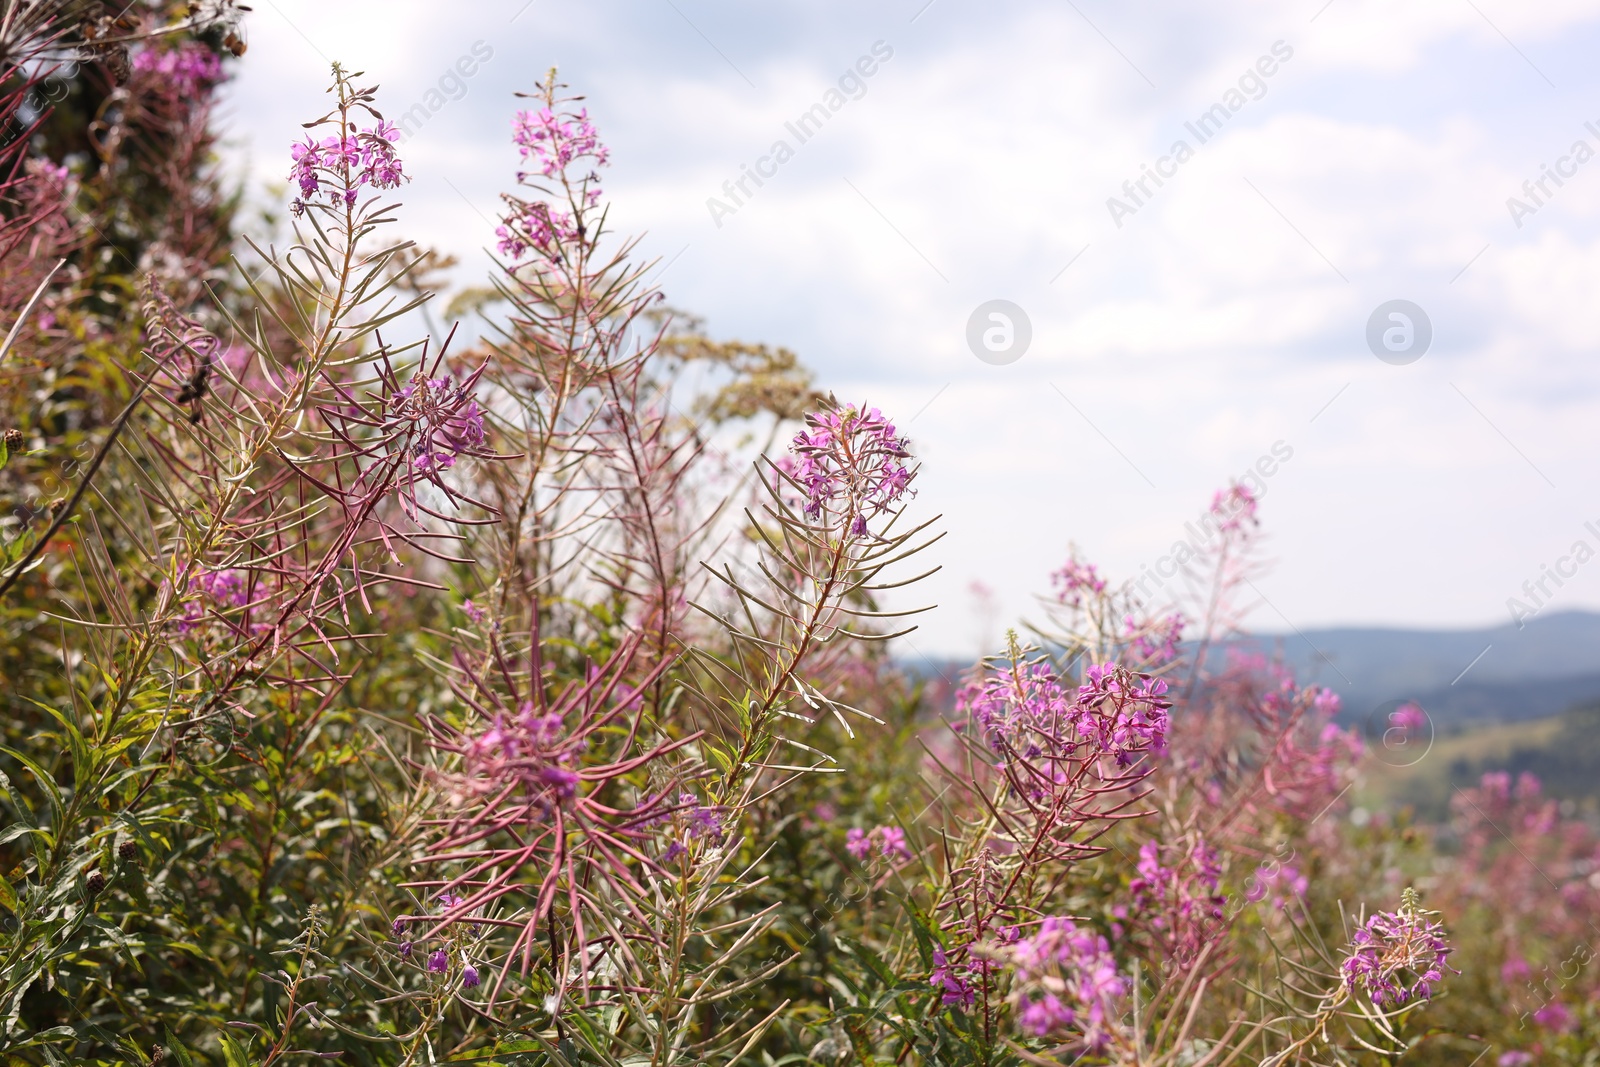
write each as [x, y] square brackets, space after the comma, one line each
[377, 697]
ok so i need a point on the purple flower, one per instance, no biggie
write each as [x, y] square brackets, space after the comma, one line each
[705, 822]
[223, 588]
[892, 841]
[851, 465]
[1556, 1016]
[1515, 1058]
[398, 926]
[405, 950]
[675, 849]
[555, 141]
[955, 991]
[438, 961]
[1235, 508]
[1074, 580]
[346, 164]
[535, 225]
[1066, 977]
[469, 976]
[472, 611]
[1392, 945]
[444, 418]
[1156, 643]
[186, 69]
[1025, 712]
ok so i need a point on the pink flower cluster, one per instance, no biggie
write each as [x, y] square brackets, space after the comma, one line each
[1190, 892]
[889, 841]
[449, 420]
[1076, 582]
[1392, 945]
[1277, 884]
[553, 142]
[530, 749]
[1156, 643]
[1235, 508]
[950, 979]
[693, 820]
[187, 69]
[1066, 979]
[346, 164]
[227, 589]
[1025, 711]
[537, 226]
[1124, 712]
[851, 464]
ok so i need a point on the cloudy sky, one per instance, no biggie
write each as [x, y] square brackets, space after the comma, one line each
[1173, 344]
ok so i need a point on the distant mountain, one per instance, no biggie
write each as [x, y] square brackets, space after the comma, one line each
[1459, 676]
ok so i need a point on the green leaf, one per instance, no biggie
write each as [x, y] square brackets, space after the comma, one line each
[46, 782]
[177, 1051]
[82, 761]
[24, 813]
[8, 897]
[236, 1054]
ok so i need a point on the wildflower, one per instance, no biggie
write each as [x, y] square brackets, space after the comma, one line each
[1280, 881]
[398, 927]
[1076, 582]
[1515, 1058]
[1124, 711]
[1066, 977]
[444, 419]
[1235, 508]
[851, 465]
[469, 976]
[1192, 891]
[348, 162]
[472, 611]
[554, 142]
[675, 848]
[405, 950]
[1156, 643]
[1392, 945]
[187, 69]
[1556, 1016]
[890, 842]
[224, 589]
[955, 991]
[438, 961]
[705, 822]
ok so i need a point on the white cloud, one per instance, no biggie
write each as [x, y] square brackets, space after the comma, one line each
[1195, 336]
